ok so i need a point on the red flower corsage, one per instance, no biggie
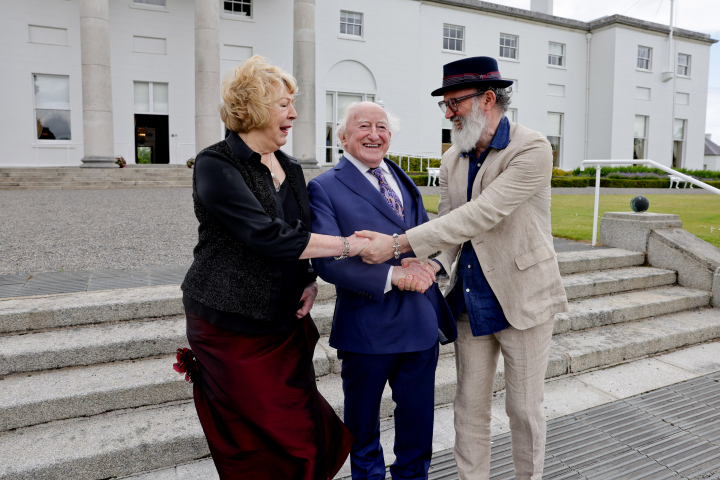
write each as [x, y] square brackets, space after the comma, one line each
[186, 363]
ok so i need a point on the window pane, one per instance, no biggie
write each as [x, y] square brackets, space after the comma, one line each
[343, 27]
[53, 124]
[446, 43]
[343, 16]
[640, 126]
[371, 98]
[556, 49]
[638, 149]
[460, 33]
[555, 145]
[554, 124]
[446, 31]
[142, 97]
[679, 129]
[343, 101]
[160, 97]
[459, 45]
[328, 107]
[52, 92]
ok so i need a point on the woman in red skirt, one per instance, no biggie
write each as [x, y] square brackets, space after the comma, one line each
[249, 291]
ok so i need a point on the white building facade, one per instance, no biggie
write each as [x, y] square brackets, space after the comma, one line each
[595, 89]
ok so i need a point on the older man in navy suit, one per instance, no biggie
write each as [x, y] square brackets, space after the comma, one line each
[388, 318]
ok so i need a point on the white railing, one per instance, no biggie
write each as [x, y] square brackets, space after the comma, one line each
[408, 156]
[57, 146]
[668, 170]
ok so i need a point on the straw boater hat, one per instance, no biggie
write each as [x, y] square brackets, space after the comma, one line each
[478, 72]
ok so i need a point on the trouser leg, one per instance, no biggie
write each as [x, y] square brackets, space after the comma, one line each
[526, 358]
[476, 359]
[364, 377]
[413, 389]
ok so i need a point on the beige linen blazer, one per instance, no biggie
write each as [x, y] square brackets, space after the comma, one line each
[508, 223]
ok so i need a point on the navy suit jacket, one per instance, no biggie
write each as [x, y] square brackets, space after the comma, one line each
[367, 320]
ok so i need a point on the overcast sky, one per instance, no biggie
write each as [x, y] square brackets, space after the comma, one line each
[697, 15]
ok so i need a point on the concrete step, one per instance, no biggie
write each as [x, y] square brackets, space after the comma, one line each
[27, 314]
[604, 282]
[90, 345]
[105, 446]
[589, 260]
[624, 307]
[97, 344]
[37, 313]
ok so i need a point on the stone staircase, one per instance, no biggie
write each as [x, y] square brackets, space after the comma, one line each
[132, 176]
[87, 389]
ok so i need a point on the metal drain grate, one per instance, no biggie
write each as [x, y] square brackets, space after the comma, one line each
[670, 433]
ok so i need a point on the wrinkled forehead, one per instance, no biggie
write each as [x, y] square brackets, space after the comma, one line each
[370, 115]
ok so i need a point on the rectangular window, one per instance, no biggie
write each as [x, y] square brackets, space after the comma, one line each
[238, 7]
[151, 97]
[556, 90]
[556, 54]
[508, 46]
[682, 98]
[351, 23]
[160, 3]
[683, 67]
[453, 38]
[644, 60]
[678, 142]
[52, 107]
[554, 135]
[640, 134]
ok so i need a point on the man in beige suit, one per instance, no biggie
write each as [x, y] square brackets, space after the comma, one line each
[494, 230]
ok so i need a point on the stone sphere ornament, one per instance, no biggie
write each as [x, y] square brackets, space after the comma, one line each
[639, 204]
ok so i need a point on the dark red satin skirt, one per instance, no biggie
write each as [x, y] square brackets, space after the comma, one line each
[259, 405]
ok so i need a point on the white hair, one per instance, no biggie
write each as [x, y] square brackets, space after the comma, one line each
[393, 121]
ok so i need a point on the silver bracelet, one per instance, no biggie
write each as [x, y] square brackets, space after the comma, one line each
[396, 245]
[346, 249]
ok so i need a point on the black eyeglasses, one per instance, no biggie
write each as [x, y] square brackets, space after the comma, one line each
[453, 102]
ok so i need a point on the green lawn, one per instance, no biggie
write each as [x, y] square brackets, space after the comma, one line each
[572, 214]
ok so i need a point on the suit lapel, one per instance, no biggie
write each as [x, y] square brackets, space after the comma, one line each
[410, 193]
[356, 181]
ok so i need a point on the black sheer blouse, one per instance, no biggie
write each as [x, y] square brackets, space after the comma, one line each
[222, 190]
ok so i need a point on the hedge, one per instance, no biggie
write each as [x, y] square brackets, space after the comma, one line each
[590, 171]
[579, 182]
[415, 163]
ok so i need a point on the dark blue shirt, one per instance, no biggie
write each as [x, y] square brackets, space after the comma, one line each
[472, 290]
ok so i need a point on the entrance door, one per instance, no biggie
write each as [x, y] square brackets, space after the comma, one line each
[152, 138]
[152, 143]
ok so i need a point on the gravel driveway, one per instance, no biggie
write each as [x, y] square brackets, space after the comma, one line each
[52, 230]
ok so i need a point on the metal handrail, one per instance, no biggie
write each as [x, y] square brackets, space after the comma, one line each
[684, 177]
[419, 156]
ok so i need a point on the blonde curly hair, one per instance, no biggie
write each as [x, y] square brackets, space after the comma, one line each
[249, 93]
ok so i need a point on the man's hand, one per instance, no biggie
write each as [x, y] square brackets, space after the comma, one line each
[307, 299]
[380, 249]
[414, 277]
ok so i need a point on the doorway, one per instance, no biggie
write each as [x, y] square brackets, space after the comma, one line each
[152, 139]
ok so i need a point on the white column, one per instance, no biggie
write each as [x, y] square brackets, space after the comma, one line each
[98, 137]
[304, 71]
[208, 126]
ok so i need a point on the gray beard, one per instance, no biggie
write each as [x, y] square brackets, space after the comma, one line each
[473, 127]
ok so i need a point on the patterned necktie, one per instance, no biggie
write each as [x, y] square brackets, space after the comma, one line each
[387, 192]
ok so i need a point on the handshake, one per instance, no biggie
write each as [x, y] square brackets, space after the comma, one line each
[413, 275]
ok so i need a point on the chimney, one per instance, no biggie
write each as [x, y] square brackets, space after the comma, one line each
[542, 6]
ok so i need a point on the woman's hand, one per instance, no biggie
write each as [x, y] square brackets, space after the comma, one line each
[357, 244]
[307, 299]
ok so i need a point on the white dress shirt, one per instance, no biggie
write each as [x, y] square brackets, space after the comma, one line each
[390, 178]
